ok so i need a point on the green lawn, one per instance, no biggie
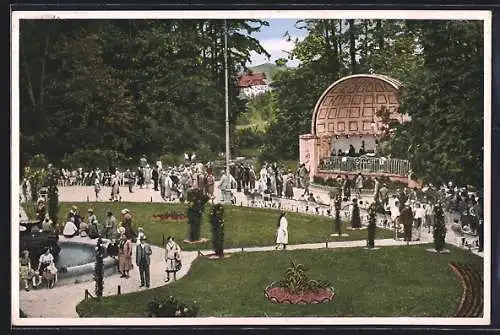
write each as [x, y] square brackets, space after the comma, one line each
[244, 227]
[389, 282]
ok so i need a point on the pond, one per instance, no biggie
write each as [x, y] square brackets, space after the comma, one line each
[74, 254]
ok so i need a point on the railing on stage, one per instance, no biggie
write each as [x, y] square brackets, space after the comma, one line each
[364, 164]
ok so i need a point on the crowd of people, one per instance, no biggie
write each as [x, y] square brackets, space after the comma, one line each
[407, 210]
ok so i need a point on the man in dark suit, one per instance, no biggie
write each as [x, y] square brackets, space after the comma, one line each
[155, 176]
[406, 218]
[142, 253]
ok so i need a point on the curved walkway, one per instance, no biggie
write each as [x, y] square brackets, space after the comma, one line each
[61, 301]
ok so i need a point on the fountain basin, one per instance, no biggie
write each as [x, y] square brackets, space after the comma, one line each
[77, 260]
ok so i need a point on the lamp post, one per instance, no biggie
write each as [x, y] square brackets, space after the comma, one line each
[227, 97]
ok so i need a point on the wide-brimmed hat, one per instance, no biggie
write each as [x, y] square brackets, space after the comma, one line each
[125, 211]
[74, 208]
[90, 210]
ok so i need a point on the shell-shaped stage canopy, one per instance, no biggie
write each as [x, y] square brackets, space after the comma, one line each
[349, 105]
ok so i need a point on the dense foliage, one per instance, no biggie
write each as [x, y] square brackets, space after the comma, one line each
[441, 66]
[444, 141]
[128, 87]
[98, 92]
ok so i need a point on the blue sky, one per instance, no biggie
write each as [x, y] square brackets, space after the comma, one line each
[271, 38]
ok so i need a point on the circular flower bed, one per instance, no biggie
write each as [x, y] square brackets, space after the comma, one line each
[171, 216]
[279, 295]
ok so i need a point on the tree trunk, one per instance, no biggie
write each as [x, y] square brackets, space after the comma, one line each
[352, 46]
[42, 75]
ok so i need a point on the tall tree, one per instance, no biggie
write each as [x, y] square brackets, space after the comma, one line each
[130, 86]
[444, 140]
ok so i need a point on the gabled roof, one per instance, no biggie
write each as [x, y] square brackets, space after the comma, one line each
[252, 79]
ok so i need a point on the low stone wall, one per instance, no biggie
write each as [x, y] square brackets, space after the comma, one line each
[85, 272]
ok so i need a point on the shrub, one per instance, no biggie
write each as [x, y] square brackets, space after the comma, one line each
[217, 223]
[94, 158]
[372, 224]
[331, 182]
[171, 307]
[37, 178]
[338, 206]
[368, 183]
[249, 138]
[318, 180]
[196, 204]
[439, 227]
[355, 219]
[99, 269]
[53, 195]
[39, 161]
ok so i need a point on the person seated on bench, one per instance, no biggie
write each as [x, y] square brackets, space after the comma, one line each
[93, 231]
[70, 228]
[46, 268]
[84, 229]
[47, 224]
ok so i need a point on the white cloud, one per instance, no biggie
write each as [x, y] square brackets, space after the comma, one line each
[277, 49]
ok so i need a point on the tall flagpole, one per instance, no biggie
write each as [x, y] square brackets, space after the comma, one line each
[227, 97]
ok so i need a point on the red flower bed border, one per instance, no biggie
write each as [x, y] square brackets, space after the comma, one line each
[278, 295]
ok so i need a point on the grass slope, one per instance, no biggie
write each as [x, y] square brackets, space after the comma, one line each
[390, 282]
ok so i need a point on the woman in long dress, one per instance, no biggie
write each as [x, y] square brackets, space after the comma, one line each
[263, 180]
[124, 256]
[282, 232]
[209, 184]
[289, 185]
[172, 257]
[25, 273]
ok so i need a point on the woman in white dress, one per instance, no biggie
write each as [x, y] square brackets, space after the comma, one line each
[282, 232]
[263, 180]
[172, 257]
[46, 268]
